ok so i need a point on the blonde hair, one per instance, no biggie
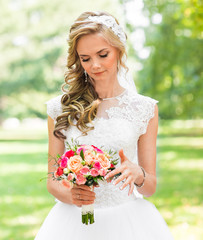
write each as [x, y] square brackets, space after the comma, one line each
[80, 101]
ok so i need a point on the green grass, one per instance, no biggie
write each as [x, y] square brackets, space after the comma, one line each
[25, 202]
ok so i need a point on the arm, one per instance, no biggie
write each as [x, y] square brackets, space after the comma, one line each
[70, 196]
[56, 146]
[147, 156]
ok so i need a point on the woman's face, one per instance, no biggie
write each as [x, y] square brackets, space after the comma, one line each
[98, 57]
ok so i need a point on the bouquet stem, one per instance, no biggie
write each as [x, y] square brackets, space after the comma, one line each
[88, 214]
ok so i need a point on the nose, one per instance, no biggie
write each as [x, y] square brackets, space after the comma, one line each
[95, 64]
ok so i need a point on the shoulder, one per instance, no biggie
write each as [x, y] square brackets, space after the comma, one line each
[54, 107]
[145, 108]
[141, 99]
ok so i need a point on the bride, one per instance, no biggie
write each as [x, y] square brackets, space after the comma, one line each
[102, 108]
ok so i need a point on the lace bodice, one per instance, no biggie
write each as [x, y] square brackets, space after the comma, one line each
[119, 123]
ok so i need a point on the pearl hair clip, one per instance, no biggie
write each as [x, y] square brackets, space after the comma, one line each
[110, 22]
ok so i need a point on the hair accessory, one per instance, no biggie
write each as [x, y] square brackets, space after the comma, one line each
[110, 22]
[144, 174]
[85, 75]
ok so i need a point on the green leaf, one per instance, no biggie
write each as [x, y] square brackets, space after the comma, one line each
[82, 154]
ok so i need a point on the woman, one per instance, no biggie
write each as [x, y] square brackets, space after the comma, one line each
[101, 108]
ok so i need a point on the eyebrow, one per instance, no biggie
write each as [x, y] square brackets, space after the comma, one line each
[83, 55]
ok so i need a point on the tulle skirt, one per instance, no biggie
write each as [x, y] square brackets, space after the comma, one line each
[133, 220]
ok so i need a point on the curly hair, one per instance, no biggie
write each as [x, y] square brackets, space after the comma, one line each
[80, 100]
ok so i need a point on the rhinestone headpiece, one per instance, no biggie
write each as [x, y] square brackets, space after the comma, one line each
[110, 22]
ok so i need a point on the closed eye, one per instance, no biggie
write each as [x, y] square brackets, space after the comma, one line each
[85, 60]
[103, 56]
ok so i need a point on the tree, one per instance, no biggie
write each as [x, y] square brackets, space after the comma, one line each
[173, 72]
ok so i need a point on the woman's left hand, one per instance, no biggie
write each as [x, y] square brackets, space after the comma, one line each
[130, 173]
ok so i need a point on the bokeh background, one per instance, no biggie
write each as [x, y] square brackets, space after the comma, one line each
[165, 52]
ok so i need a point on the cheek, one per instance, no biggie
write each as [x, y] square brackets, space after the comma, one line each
[85, 66]
[111, 62]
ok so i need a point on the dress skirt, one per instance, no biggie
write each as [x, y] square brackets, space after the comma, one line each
[133, 220]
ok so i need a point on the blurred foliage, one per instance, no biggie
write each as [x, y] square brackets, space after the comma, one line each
[34, 48]
[173, 72]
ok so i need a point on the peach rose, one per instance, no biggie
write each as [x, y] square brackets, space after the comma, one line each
[90, 157]
[105, 163]
[74, 163]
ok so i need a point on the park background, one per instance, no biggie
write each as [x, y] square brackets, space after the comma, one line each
[165, 43]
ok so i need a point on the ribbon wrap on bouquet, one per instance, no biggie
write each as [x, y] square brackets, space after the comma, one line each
[88, 212]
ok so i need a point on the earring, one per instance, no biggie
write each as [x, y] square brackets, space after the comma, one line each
[85, 76]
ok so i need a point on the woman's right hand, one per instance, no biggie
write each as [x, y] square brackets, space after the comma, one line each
[82, 195]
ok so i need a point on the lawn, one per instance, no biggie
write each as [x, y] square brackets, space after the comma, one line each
[24, 200]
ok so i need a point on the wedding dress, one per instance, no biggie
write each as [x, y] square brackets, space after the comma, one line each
[120, 122]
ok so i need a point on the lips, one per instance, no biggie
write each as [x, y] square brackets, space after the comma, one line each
[98, 73]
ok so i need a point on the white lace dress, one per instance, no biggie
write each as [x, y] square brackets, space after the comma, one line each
[119, 124]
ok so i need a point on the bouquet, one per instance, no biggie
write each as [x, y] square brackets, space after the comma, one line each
[84, 164]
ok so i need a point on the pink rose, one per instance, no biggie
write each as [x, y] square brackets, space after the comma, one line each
[66, 183]
[84, 148]
[102, 172]
[84, 170]
[74, 163]
[97, 149]
[64, 162]
[97, 165]
[69, 154]
[94, 172]
[104, 161]
[70, 176]
[80, 179]
[90, 157]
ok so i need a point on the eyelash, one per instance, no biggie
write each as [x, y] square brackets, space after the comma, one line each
[102, 56]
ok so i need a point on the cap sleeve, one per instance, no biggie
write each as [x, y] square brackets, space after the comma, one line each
[54, 108]
[147, 110]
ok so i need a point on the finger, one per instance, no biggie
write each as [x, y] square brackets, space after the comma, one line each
[80, 202]
[83, 187]
[131, 188]
[114, 172]
[127, 181]
[123, 176]
[122, 156]
[83, 197]
[82, 192]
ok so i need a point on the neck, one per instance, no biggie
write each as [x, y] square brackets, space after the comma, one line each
[107, 89]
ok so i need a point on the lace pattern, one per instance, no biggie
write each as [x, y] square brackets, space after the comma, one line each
[122, 121]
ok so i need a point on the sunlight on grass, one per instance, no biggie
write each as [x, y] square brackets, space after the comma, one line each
[21, 220]
[192, 164]
[196, 142]
[22, 168]
[22, 148]
[28, 199]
